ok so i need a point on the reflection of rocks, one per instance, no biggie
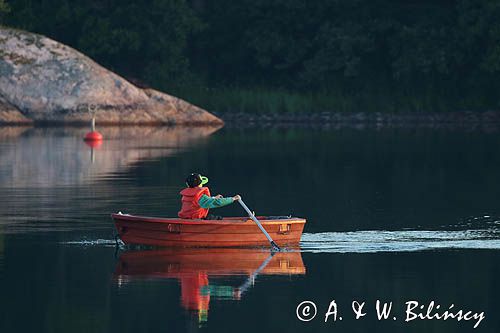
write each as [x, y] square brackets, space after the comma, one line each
[12, 132]
[43, 80]
[58, 156]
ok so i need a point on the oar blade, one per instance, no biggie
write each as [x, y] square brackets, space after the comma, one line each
[275, 247]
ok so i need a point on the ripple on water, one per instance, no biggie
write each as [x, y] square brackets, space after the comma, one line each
[399, 241]
[96, 242]
[372, 241]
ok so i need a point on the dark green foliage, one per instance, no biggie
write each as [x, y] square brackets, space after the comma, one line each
[447, 48]
[144, 40]
[322, 43]
[4, 8]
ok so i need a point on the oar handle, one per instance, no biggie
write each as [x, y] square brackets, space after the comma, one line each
[245, 207]
[252, 216]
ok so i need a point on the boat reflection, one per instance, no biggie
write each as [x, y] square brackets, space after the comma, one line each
[198, 269]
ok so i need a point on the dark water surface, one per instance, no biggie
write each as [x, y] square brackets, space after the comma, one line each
[393, 215]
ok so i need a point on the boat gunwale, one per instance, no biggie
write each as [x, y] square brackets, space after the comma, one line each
[233, 220]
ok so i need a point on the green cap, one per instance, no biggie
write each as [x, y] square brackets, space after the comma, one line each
[204, 180]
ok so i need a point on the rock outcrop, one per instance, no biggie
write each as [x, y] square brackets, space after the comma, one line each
[10, 114]
[42, 80]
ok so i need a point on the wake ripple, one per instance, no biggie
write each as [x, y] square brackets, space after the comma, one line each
[97, 242]
[399, 241]
[372, 241]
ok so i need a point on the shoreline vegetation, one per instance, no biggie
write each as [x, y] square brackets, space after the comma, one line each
[294, 56]
[264, 100]
[488, 120]
[385, 107]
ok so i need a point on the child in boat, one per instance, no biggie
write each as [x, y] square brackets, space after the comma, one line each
[196, 199]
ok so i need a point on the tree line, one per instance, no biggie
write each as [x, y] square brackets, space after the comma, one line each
[302, 45]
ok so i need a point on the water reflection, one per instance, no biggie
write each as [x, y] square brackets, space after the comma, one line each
[2, 249]
[203, 273]
[55, 156]
[48, 174]
[442, 185]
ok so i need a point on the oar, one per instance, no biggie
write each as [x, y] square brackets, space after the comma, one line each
[274, 246]
[251, 279]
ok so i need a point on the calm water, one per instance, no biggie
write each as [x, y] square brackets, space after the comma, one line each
[393, 215]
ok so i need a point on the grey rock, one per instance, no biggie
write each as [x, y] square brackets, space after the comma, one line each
[47, 81]
[9, 114]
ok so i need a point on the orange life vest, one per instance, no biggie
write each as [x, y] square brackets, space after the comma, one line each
[190, 207]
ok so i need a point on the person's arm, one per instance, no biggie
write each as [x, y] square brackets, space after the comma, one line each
[213, 202]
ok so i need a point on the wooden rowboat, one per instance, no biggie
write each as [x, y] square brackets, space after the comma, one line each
[229, 232]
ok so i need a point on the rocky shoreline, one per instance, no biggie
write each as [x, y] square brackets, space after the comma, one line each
[366, 119]
[43, 81]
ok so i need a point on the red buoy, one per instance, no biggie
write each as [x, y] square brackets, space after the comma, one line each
[93, 136]
[93, 143]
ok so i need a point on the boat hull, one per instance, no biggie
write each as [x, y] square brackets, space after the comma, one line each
[229, 232]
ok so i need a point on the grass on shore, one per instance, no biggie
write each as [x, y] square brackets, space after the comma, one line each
[262, 101]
